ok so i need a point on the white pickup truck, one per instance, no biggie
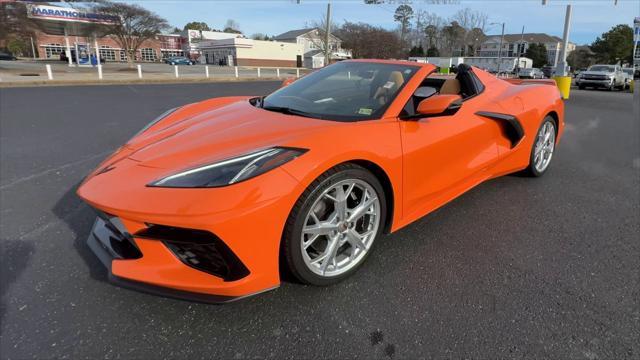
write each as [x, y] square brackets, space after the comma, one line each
[602, 76]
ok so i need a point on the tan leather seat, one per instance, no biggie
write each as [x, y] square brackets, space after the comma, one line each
[450, 87]
[395, 81]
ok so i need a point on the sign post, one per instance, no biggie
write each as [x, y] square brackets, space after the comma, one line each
[636, 43]
[68, 48]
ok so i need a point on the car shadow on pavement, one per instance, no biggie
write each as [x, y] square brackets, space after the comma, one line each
[79, 218]
[14, 255]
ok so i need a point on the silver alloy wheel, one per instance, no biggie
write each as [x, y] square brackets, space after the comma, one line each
[545, 144]
[340, 227]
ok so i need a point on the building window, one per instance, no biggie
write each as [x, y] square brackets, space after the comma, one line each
[148, 54]
[123, 55]
[171, 53]
[53, 50]
[107, 54]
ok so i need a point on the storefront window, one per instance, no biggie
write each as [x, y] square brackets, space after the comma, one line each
[107, 54]
[171, 53]
[53, 50]
[148, 54]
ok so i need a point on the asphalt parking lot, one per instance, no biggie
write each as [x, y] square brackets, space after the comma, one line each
[517, 267]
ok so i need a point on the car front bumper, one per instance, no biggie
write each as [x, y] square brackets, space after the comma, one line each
[100, 241]
[247, 219]
[593, 82]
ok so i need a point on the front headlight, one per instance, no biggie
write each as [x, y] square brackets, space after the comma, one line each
[231, 171]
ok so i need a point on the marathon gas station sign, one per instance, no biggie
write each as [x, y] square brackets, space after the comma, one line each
[56, 13]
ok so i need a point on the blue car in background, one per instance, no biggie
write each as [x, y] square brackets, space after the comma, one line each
[178, 60]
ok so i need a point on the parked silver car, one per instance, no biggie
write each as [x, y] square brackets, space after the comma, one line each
[530, 73]
[602, 76]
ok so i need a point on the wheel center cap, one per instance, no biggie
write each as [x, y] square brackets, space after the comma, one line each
[343, 226]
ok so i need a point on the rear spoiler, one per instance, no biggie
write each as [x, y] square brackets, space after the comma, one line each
[531, 81]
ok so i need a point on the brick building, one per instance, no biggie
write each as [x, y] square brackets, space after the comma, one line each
[50, 46]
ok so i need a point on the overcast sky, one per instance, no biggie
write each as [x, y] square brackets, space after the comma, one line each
[272, 17]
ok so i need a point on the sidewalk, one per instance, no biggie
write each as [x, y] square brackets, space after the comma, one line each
[34, 73]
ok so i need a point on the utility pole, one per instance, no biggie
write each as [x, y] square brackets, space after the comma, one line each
[327, 32]
[519, 52]
[561, 68]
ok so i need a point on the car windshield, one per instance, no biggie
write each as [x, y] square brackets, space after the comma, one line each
[601, 68]
[628, 71]
[345, 91]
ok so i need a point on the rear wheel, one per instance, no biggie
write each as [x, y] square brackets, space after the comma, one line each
[333, 226]
[543, 148]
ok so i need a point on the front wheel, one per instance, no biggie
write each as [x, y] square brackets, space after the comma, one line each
[543, 148]
[333, 226]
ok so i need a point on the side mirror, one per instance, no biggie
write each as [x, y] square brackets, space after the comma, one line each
[439, 105]
[425, 92]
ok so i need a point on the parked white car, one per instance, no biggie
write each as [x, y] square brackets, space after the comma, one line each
[602, 76]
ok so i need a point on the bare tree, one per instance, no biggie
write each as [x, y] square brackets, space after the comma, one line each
[475, 37]
[433, 30]
[232, 26]
[135, 26]
[403, 16]
[454, 36]
[260, 36]
[470, 19]
[417, 34]
[16, 28]
[317, 36]
[475, 23]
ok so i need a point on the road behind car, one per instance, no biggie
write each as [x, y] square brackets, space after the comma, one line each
[517, 267]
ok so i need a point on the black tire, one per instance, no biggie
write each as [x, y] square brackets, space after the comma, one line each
[581, 87]
[531, 169]
[291, 245]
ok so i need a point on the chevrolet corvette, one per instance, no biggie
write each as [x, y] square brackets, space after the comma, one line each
[211, 200]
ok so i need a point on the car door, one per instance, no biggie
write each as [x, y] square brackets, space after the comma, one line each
[444, 156]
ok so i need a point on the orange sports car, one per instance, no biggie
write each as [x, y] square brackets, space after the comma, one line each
[208, 200]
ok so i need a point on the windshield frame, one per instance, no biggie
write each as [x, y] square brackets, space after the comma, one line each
[380, 113]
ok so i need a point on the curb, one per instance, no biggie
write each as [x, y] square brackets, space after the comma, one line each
[96, 82]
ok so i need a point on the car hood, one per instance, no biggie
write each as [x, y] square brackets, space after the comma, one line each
[206, 136]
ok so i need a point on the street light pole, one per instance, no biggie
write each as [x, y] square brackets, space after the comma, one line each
[327, 34]
[561, 68]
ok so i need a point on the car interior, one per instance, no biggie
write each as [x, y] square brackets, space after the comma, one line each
[465, 84]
